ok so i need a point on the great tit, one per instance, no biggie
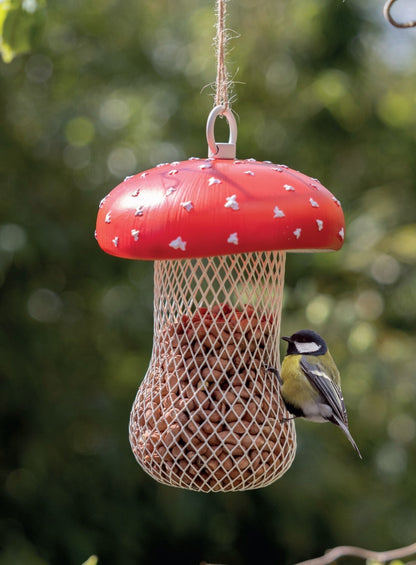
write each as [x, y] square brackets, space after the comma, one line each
[311, 383]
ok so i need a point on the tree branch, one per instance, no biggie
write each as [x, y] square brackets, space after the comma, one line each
[351, 551]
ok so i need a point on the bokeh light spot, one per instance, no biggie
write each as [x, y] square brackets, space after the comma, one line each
[44, 306]
[79, 131]
[121, 162]
[385, 269]
[12, 237]
[114, 113]
[319, 309]
[369, 305]
[391, 460]
[362, 337]
[402, 428]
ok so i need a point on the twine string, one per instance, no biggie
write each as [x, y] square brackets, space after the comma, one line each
[222, 82]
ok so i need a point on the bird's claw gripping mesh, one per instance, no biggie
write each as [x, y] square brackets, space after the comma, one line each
[208, 414]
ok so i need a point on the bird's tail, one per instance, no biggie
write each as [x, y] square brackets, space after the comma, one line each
[349, 436]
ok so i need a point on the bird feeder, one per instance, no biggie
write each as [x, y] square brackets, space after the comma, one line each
[208, 416]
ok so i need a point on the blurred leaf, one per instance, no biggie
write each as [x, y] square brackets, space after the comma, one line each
[93, 560]
[20, 21]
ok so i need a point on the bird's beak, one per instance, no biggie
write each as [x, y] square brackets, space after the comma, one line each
[286, 338]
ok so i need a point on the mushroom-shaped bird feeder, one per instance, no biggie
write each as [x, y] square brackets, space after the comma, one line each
[208, 416]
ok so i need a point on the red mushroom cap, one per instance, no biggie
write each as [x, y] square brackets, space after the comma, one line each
[205, 207]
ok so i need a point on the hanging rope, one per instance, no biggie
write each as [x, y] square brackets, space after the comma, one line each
[222, 82]
[390, 19]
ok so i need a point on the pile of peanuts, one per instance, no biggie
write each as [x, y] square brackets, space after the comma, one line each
[208, 415]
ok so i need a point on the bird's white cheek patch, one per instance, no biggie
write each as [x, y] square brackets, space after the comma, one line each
[310, 347]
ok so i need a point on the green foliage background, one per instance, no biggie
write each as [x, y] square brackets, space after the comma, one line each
[113, 87]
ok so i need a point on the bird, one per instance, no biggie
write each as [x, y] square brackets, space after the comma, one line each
[311, 383]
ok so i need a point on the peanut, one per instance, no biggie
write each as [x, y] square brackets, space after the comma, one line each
[211, 419]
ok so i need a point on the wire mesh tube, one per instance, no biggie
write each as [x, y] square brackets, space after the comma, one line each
[207, 415]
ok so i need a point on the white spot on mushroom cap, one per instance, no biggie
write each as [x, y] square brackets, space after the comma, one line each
[139, 211]
[341, 233]
[250, 173]
[337, 202]
[231, 202]
[320, 224]
[278, 169]
[289, 188]
[187, 205]
[144, 174]
[313, 202]
[233, 238]
[205, 166]
[170, 190]
[136, 192]
[101, 204]
[135, 234]
[108, 218]
[277, 213]
[178, 243]
[128, 177]
[213, 180]
[297, 233]
[115, 241]
[173, 172]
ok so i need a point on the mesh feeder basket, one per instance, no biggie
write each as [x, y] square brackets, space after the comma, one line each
[207, 415]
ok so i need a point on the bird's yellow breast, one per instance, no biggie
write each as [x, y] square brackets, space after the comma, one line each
[296, 388]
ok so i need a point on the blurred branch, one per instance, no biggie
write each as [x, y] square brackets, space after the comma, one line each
[343, 551]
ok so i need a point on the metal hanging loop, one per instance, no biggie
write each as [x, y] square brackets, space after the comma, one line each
[390, 19]
[221, 150]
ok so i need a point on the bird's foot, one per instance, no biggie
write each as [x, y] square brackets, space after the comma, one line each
[285, 420]
[275, 372]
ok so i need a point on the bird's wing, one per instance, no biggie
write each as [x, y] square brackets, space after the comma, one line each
[317, 375]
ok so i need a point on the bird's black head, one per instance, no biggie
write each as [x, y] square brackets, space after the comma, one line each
[306, 342]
